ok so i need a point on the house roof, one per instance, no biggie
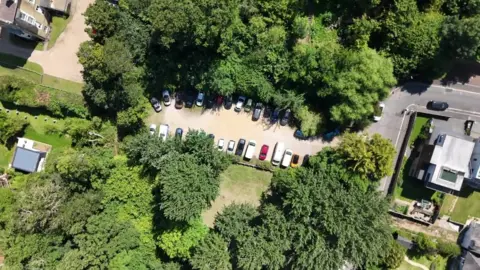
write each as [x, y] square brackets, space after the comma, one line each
[26, 160]
[61, 5]
[8, 9]
[472, 262]
[471, 239]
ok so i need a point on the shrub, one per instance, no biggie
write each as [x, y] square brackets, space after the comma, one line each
[425, 244]
[51, 129]
[264, 165]
[394, 255]
[10, 127]
[448, 249]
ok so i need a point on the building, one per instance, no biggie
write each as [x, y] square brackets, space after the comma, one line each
[60, 7]
[25, 18]
[29, 156]
[471, 247]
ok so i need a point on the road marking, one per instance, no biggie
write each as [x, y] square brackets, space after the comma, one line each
[455, 110]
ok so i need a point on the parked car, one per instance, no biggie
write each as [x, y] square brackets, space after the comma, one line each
[437, 105]
[230, 147]
[330, 135]
[257, 112]
[267, 112]
[263, 152]
[210, 102]
[240, 147]
[305, 160]
[287, 158]
[278, 153]
[189, 100]
[178, 133]
[285, 118]
[166, 98]
[275, 115]
[163, 132]
[179, 100]
[295, 160]
[152, 129]
[156, 104]
[299, 135]
[220, 144]
[200, 98]
[378, 112]
[239, 105]
[228, 102]
[248, 105]
[219, 100]
[250, 150]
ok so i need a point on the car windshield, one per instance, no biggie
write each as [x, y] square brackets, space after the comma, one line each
[166, 98]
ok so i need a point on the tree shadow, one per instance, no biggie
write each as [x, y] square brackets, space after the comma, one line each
[461, 72]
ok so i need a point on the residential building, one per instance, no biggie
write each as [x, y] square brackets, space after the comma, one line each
[474, 180]
[29, 156]
[57, 6]
[471, 247]
[25, 18]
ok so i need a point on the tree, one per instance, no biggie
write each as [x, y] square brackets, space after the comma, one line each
[462, 37]
[101, 17]
[394, 256]
[235, 220]
[211, 253]
[10, 126]
[178, 242]
[424, 244]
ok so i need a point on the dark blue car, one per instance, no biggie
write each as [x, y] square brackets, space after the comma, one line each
[275, 115]
[330, 135]
[299, 135]
[178, 133]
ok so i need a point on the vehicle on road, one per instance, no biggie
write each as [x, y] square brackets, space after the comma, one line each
[378, 112]
[275, 115]
[163, 132]
[267, 112]
[219, 100]
[220, 144]
[228, 102]
[239, 105]
[179, 100]
[286, 117]
[156, 104]
[278, 153]
[295, 160]
[166, 98]
[230, 147]
[240, 147]
[152, 129]
[263, 152]
[257, 112]
[300, 135]
[437, 105]
[189, 100]
[248, 106]
[287, 158]
[250, 150]
[200, 98]
[178, 133]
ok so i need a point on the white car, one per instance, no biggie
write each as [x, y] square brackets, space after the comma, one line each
[250, 149]
[221, 144]
[163, 132]
[287, 158]
[230, 147]
[240, 102]
[200, 98]
[153, 129]
[166, 98]
[381, 107]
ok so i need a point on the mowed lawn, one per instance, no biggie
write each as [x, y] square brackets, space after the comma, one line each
[239, 184]
[420, 121]
[468, 205]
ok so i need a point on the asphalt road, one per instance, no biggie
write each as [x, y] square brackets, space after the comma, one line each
[463, 100]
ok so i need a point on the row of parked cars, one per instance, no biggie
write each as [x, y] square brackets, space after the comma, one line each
[201, 100]
[280, 157]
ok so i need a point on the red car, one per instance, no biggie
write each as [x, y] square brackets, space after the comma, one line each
[263, 152]
[219, 100]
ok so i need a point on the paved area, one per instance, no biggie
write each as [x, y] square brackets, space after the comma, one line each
[61, 60]
[229, 125]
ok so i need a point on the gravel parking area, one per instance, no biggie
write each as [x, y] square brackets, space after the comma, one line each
[229, 125]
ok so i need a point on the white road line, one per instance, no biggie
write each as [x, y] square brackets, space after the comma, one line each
[455, 110]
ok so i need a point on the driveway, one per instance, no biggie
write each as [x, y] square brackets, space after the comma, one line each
[61, 60]
[229, 125]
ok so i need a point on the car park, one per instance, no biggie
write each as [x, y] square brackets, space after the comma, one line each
[275, 115]
[152, 129]
[263, 152]
[267, 112]
[163, 132]
[156, 104]
[230, 146]
[200, 98]
[257, 112]
[240, 147]
[250, 150]
[239, 105]
[295, 160]
[287, 158]
[285, 118]
[378, 112]
[220, 144]
[178, 100]
[278, 153]
[248, 105]
[166, 98]
[437, 105]
[178, 133]
[228, 102]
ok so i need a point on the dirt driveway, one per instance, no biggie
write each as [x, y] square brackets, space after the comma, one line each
[229, 125]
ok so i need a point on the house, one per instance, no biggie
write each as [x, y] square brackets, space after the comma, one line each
[471, 247]
[29, 156]
[61, 7]
[25, 18]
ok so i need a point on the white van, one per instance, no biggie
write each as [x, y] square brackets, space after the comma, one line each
[250, 149]
[287, 158]
[278, 153]
[163, 132]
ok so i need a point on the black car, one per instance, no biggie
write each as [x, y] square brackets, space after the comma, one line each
[275, 115]
[267, 112]
[286, 117]
[189, 100]
[437, 105]
[210, 102]
[240, 147]
[156, 104]
[257, 111]
[228, 102]
[178, 133]
[179, 100]
[305, 160]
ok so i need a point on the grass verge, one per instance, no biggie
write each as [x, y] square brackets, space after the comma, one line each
[11, 61]
[447, 204]
[420, 121]
[58, 26]
[65, 85]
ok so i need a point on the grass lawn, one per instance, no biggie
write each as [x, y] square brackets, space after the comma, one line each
[11, 61]
[417, 128]
[58, 25]
[239, 184]
[65, 85]
[468, 205]
[411, 188]
[448, 202]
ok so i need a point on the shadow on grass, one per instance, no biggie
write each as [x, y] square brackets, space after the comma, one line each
[411, 188]
[34, 111]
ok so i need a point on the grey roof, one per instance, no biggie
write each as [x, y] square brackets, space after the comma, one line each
[8, 9]
[26, 160]
[471, 239]
[472, 262]
[405, 242]
[61, 5]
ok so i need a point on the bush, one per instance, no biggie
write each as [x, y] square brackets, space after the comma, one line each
[448, 249]
[425, 244]
[51, 129]
[264, 165]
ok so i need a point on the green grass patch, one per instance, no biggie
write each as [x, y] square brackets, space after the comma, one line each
[420, 121]
[58, 26]
[411, 188]
[238, 177]
[448, 202]
[14, 61]
[468, 205]
[62, 84]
